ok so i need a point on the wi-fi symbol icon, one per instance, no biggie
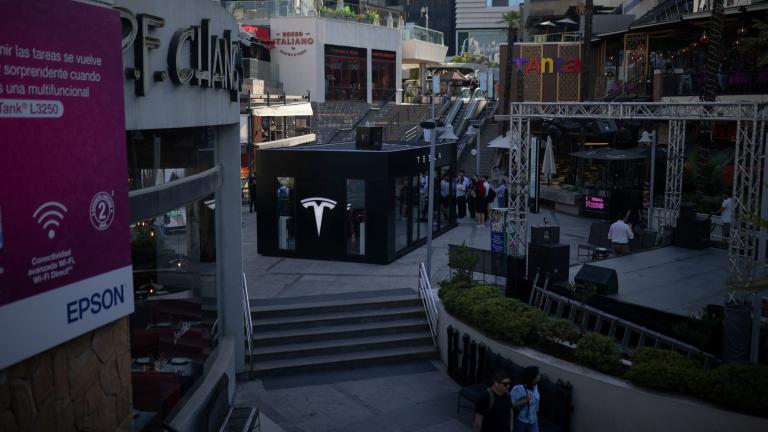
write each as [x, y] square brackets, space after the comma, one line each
[50, 215]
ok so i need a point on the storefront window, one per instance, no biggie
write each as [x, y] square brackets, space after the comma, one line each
[161, 156]
[354, 225]
[345, 73]
[383, 74]
[419, 206]
[174, 273]
[401, 213]
[290, 127]
[303, 125]
[286, 213]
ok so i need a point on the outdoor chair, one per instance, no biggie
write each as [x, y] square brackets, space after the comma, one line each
[597, 242]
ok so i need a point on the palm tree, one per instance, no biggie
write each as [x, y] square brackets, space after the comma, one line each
[512, 19]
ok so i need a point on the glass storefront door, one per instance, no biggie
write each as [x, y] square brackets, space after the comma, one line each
[346, 73]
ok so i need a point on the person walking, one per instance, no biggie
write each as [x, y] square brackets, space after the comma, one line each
[471, 197]
[493, 409]
[480, 204]
[726, 215]
[461, 197]
[251, 194]
[525, 401]
[619, 235]
[501, 193]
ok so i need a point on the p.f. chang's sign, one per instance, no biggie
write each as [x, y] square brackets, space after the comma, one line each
[293, 43]
[549, 65]
[195, 56]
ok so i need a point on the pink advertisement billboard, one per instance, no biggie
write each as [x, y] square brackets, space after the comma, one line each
[65, 258]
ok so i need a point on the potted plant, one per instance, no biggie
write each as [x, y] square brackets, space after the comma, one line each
[372, 16]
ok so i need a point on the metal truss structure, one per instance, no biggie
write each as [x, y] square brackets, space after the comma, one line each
[674, 185]
[519, 157]
[748, 181]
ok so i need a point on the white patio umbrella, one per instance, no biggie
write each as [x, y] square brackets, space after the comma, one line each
[548, 168]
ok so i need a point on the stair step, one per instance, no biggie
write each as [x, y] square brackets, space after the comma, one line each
[326, 347]
[319, 307]
[333, 318]
[340, 331]
[305, 364]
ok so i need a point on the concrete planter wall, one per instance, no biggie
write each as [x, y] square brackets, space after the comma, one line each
[605, 403]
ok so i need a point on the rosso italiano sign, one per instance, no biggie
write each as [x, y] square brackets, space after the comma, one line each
[293, 43]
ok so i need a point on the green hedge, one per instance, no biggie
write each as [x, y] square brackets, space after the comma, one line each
[739, 387]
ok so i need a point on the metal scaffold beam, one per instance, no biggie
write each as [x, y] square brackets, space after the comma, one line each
[673, 189]
[716, 111]
[747, 188]
[517, 216]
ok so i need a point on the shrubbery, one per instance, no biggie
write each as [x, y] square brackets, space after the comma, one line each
[741, 387]
[598, 352]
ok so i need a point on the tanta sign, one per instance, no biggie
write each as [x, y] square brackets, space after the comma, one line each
[548, 65]
[293, 43]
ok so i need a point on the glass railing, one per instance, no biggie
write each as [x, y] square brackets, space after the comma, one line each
[414, 32]
[265, 9]
[556, 37]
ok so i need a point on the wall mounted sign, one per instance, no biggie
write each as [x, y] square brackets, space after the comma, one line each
[293, 43]
[548, 65]
[342, 51]
[318, 205]
[65, 263]
[195, 54]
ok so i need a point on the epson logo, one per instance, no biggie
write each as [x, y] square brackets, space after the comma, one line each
[318, 205]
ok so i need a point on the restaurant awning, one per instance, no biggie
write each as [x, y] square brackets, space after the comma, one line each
[280, 110]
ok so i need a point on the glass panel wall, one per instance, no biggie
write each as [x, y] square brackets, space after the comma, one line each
[418, 209]
[354, 224]
[446, 197]
[383, 74]
[401, 213]
[160, 156]
[174, 274]
[286, 213]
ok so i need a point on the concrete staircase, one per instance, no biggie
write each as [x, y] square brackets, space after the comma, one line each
[398, 119]
[329, 117]
[336, 331]
[468, 162]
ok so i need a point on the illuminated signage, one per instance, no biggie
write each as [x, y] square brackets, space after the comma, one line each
[548, 65]
[295, 40]
[594, 202]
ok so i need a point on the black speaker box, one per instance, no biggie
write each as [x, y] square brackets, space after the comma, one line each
[687, 212]
[549, 259]
[368, 137]
[545, 235]
[692, 234]
[604, 279]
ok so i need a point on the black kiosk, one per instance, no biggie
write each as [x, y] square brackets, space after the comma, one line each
[351, 202]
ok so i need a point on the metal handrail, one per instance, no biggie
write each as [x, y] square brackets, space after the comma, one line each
[457, 104]
[381, 105]
[464, 140]
[543, 299]
[248, 322]
[427, 295]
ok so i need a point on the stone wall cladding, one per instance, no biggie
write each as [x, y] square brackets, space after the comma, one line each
[81, 385]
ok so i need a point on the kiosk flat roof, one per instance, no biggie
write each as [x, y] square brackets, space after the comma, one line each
[350, 147]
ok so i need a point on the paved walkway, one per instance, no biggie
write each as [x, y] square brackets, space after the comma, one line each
[407, 397]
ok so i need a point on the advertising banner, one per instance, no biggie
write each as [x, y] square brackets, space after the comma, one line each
[498, 230]
[65, 257]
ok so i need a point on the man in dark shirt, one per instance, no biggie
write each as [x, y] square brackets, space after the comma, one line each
[493, 410]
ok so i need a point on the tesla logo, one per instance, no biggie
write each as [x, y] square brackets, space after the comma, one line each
[318, 205]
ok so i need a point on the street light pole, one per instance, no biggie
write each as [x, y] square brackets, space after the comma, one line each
[430, 125]
[477, 147]
[653, 179]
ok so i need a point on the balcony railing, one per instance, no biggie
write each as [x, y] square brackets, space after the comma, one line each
[729, 83]
[265, 9]
[556, 37]
[414, 32]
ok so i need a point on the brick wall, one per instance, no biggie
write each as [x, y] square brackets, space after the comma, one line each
[81, 385]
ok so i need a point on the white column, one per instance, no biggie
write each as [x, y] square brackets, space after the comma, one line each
[229, 254]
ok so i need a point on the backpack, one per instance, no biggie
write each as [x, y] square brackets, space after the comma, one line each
[491, 195]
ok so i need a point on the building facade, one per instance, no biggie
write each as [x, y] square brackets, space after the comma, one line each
[480, 28]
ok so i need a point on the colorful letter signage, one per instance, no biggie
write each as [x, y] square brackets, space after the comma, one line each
[548, 65]
[65, 262]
